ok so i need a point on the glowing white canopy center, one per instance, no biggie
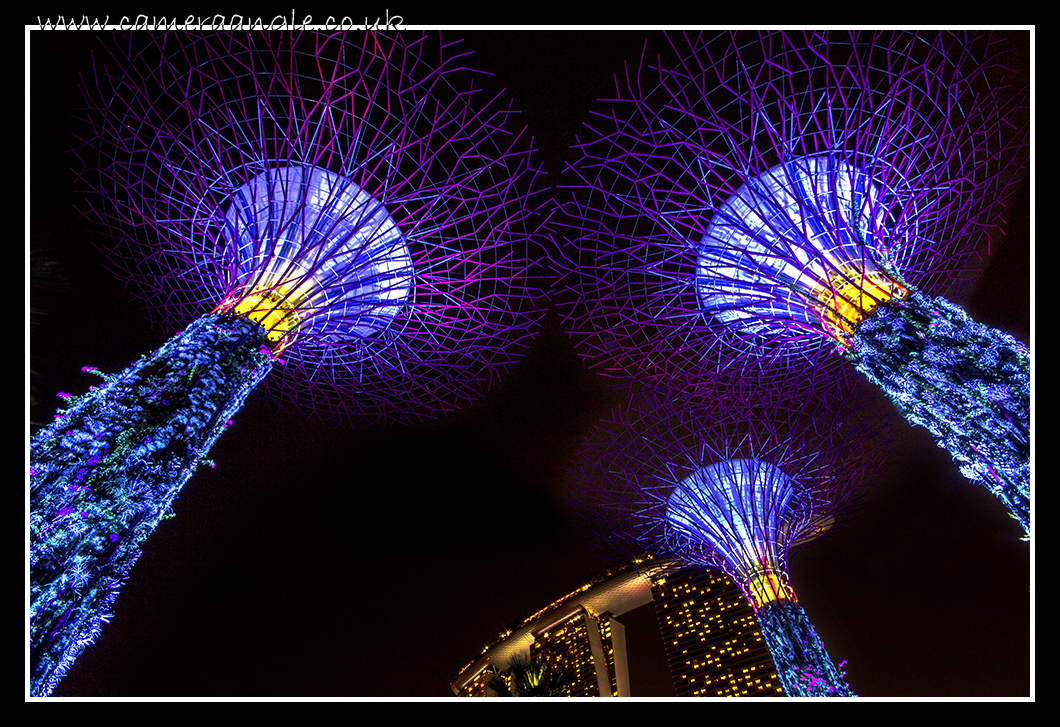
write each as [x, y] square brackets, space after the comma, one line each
[325, 243]
[774, 245]
[736, 509]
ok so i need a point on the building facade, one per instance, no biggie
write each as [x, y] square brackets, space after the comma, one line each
[712, 639]
[710, 635]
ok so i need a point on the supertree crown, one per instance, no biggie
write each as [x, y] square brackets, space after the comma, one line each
[802, 225]
[737, 510]
[789, 197]
[334, 202]
[319, 257]
[734, 479]
[356, 194]
[771, 190]
[731, 478]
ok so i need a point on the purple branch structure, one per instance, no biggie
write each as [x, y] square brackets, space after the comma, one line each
[733, 483]
[801, 199]
[347, 217]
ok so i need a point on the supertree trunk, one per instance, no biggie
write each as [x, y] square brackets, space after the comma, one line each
[774, 193]
[366, 210]
[107, 470]
[803, 665]
[968, 384]
[733, 478]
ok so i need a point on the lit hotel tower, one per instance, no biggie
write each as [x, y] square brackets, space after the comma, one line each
[712, 641]
[724, 480]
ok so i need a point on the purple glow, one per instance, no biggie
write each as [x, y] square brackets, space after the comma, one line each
[375, 210]
[317, 232]
[738, 509]
[727, 197]
[730, 477]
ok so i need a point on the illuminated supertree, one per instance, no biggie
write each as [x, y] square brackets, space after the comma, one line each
[348, 215]
[727, 482]
[801, 199]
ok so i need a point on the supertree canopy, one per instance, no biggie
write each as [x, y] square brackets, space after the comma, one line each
[732, 482]
[802, 199]
[348, 215]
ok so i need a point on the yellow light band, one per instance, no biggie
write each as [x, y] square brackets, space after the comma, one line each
[852, 295]
[765, 585]
[279, 309]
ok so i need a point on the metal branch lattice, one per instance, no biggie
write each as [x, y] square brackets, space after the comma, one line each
[732, 481]
[332, 211]
[380, 199]
[768, 195]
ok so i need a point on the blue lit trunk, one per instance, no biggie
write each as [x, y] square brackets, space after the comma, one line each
[804, 667]
[107, 470]
[968, 384]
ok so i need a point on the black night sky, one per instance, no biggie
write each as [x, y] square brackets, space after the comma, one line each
[324, 562]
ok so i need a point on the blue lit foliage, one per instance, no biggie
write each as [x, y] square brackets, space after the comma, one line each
[803, 665]
[968, 384]
[742, 515]
[107, 470]
[734, 477]
[777, 196]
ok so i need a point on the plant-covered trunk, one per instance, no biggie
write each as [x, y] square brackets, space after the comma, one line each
[803, 665]
[107, 470]
[968, 384]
